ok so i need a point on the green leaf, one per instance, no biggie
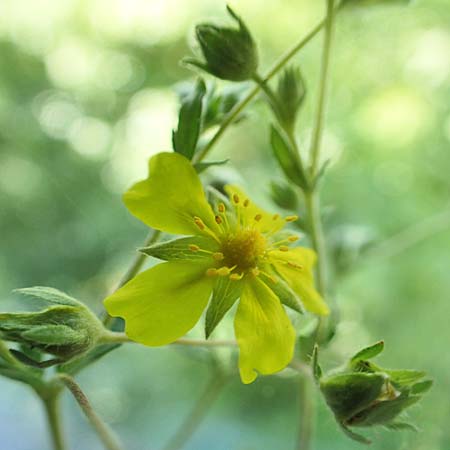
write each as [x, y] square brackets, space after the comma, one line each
[421, 387]
[368, 3]
[185, 138]
[225, 294]
[179, 249]
[404, 377]
[284, 154]
[284, 195]
[201, 166]
[402, 426]
[368, 352]
[49, 295]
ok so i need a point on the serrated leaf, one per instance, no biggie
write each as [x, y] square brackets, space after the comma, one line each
[179, 249]
[368, 352]
[225, 294]
[49, 295]
[286, 159]
[185, 137]
[201, 166]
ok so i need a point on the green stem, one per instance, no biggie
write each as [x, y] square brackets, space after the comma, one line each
[239, 107]
[320, 114]
[52, 409]
[307, 413]
[198, 412]
[105, 434]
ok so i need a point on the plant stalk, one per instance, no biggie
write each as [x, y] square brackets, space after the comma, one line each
[307, 413]
[52, 409]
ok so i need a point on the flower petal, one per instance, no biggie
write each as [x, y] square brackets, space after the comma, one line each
[268, 221]
[263, 330]
[295, 266]
[171, 197]
[162, 303]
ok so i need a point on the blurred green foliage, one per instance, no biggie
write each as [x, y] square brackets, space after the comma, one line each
[87, 95]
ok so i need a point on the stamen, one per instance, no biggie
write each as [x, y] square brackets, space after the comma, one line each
[211, 272]
[221, 208]
[199, 222]
[270, 277]
[218, 256]
[246, 202]
[223, 271]
[283, 248]
[194, 248]
[258, 217]
[293, 238]
[295, 265]
[236, 276]
[291, 218]
[254, 271]
[218, 220]
[275, 217]
[236, 198]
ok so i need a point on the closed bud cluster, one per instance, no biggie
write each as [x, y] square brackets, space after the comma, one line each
[229, 53]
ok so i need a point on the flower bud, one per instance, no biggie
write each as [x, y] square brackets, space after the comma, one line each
[229, 53]
[362, 394]
[65, 329]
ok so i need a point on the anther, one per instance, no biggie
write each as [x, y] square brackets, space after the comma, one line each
[221, 208]
[258, 217]
[255, 271]
[295, 265]
[194, 248]
[218, 256]
[236, 276]
[291, 218]
[199, 223]
[236, 198]
[275, 217]
[223, 271]
[218, 220]
[283, 248]
[246, 202]
[293, 238]
[211, 272]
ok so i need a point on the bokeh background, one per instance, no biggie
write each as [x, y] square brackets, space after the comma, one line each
[87, 95]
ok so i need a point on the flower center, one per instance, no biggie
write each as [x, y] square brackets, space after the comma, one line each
[243, 248]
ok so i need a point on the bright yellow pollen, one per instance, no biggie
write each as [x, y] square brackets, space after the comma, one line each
[223, 271]
[291, 218]
[211, 272]
[295, 265]
[236, 276]
[243, 248]
[293, 238]
[199, 223]
[194, 248]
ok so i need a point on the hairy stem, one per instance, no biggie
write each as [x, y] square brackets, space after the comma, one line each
[198, 412]
[306, 407]
[52, 409]
[105, 434]
[323, 83]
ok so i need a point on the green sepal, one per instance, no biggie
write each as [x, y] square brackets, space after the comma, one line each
[368, 352]
[421, 387]
[402, 426]
[284, 154]
[48, 295]
[349, 393]
[225, 294]
[317, 370]
[178, 249]
[185, 137]
[404, 378]
[354, 436]
[201, 166]
[287, 296]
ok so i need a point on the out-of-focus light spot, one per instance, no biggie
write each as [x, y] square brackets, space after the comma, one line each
[111, 404]
[89, 137]
[431, 57]
[393, 178]
[115, 70]
[394, 118]
[145, 131]
[447, 128]
[14, 172]
[331, 147]
[55, 113]
[73, 63]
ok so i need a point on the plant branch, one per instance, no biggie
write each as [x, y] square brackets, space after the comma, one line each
[320, 114]
[105, 434]
[52, 409]
[198, 412]
[306, 407]
[112, 337]
[239, 107]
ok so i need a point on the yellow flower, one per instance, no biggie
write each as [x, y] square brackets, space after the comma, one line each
[234, 252]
